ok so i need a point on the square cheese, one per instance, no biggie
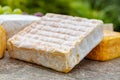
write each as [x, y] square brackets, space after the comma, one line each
[14, 23]
[108, 49]
[56, 41]
[2, 41]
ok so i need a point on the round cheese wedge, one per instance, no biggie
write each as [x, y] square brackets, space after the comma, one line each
[2, 41]
[108, 49]
[14, 23]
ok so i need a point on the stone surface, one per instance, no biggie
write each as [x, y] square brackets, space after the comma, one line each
[11, 69]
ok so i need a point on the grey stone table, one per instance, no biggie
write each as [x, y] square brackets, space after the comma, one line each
[11, 69]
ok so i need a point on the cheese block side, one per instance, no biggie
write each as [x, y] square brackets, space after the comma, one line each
[85, 46]
[55, 60]
[108, 49]
[2, 41]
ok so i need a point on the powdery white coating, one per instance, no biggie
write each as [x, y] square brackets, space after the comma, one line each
[14, 23]
[58, 42]
[17, 16]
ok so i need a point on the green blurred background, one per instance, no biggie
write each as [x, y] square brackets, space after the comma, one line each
[106, 10]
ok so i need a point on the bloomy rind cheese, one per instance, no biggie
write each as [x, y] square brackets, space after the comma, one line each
[108, 49]
[55, 42]
[2, 41]
[13, 23]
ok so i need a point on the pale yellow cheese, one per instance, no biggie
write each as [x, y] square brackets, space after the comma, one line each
[108, 49]
[2, 41]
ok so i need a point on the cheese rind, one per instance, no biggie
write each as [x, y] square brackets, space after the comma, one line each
[108, 49]
[56, 42]
[14, 23]
[2, 41]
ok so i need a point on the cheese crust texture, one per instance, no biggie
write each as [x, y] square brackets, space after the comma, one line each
[2, 41]
[108, 49]
[14, 23]
[56, 41]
